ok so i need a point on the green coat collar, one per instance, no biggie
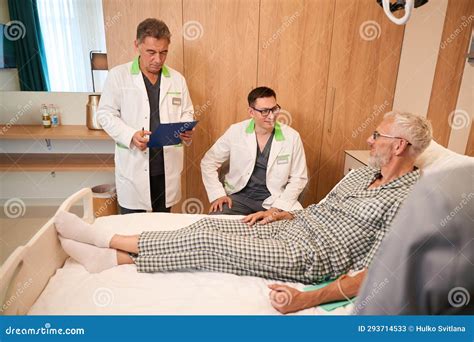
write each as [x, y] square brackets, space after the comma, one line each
[278, 133]
[135, 69]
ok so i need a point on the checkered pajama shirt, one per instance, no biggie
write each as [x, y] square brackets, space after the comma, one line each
[322, 242]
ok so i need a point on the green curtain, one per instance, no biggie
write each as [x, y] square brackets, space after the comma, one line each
[29, 48]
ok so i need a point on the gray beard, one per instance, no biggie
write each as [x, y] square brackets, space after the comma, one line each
[378, 161]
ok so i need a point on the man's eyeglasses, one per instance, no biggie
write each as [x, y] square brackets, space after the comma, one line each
[266, 111]
[376, 134]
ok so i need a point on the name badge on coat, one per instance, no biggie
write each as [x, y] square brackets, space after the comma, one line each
[176, 101]
[283, 159]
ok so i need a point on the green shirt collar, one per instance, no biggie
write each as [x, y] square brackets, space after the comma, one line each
[278, 133]
[135, 70]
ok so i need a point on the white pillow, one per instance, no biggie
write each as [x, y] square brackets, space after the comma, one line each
[437, 157]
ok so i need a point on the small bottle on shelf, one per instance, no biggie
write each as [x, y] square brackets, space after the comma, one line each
[54, 116]
[58, 113]
[45, 116]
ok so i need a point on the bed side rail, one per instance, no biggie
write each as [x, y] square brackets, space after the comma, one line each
[25, 274]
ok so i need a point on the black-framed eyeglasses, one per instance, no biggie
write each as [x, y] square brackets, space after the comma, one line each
[376, 134]
[266, 111]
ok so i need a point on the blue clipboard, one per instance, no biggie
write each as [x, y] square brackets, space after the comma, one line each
[168, 133]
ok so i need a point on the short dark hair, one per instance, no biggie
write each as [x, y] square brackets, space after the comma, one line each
[152, 27]
[258, 93]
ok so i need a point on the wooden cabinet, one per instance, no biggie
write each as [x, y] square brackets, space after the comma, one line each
[334, 76]
[365, 53]
[355, 159]
[293, 58]
[220, 61]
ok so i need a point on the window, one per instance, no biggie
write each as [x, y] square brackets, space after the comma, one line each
[71, 29]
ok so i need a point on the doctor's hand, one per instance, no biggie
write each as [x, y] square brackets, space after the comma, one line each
[187, 137]
[267, 216]
[140, 139]
[219, 203]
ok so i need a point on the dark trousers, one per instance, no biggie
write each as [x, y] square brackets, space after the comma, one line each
[241, 205]
[158, 197]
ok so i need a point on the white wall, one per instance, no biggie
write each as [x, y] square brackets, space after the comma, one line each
[44, 188]
[419, 55]
[23, 107]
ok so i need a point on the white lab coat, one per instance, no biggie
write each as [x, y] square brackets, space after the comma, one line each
[123, 110]
[286, 168]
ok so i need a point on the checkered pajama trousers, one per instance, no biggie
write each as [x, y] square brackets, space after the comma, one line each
[274, 251]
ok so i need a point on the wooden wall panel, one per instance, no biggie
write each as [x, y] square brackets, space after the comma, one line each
[450, 66]
[294, 52]
[220, 64]
[365, 54]
[121, 18]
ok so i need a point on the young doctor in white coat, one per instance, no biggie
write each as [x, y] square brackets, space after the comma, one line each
[137, 97]
[267, 164]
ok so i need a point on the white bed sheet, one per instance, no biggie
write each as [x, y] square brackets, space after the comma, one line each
[123, 291]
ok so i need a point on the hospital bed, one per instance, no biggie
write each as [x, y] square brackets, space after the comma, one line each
[40, 279]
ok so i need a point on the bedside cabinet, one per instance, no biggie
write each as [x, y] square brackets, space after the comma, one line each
[355, 159]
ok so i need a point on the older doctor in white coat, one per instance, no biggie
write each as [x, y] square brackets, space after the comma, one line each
[137, 97]
[267, 164]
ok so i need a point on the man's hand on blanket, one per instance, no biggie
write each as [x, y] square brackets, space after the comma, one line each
[286, 299]
[267, 216]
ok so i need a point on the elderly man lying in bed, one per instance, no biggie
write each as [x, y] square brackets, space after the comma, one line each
[321, 242]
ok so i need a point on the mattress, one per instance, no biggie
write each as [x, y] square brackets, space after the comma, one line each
[123, 291]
